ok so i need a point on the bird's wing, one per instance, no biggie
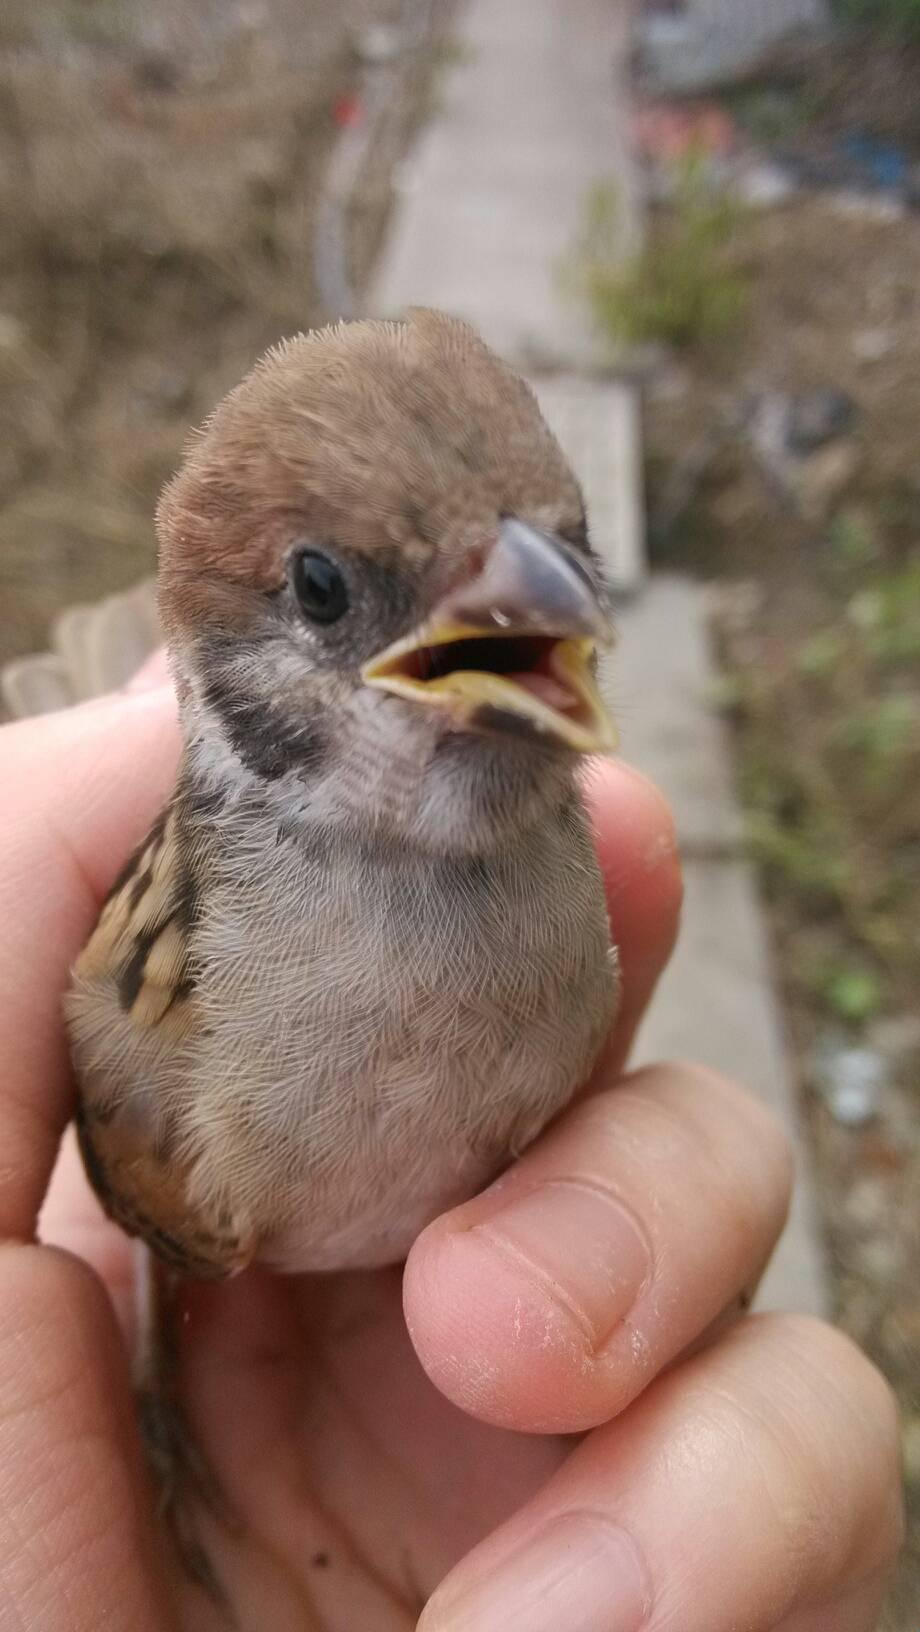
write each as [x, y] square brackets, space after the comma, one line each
[142, 942]
[135, 1024]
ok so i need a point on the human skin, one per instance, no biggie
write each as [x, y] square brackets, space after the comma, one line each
[558, 1419]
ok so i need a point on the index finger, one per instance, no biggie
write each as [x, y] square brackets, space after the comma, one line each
[80, 790]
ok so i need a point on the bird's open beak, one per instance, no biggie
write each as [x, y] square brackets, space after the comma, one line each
[513, 649]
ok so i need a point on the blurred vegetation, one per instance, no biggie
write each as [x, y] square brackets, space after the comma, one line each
[161, 174]
[830, 774]
[683, 286]
[827, 709]
[815, 584]
[158, 178]
[902, 16]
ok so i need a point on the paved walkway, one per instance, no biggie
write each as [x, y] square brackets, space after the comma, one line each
[526, 122]
[492, 204]
[530, 116]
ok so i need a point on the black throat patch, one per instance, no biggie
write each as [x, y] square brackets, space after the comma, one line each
[268, 743]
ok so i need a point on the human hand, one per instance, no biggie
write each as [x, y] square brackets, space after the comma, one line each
[728, 1472]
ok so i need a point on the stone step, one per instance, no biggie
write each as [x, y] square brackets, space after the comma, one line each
[597, 423]
[717, 1003]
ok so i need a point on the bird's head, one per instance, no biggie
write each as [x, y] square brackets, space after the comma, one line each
[377, 588]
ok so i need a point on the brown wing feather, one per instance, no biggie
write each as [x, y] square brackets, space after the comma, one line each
[136, 974]
[142, 939]
[146, 1196]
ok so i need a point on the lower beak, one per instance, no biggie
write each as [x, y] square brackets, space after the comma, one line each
[514, 650]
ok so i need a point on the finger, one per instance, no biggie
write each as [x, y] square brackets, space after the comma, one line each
[549, 1301]
[753, 1484]
[152, 674]
[79, 790]
[637, 849]
[72, 1217]
[856, 1609]
[76, 1533]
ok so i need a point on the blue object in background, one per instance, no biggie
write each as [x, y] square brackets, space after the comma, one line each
[880, 165]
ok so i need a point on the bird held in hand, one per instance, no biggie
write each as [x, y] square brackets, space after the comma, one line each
[363, 956]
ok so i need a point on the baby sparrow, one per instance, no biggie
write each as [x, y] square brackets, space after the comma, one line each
[363, 956]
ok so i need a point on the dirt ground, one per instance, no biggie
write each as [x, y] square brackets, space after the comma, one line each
[159, 177]
[815, 564]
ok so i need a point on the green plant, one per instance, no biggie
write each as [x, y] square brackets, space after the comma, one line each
[770, 113]
[682, 286]
[880, 739]
[852, 992]
[830, 771]
[810, 858]
[853, 539]
[893, 634]
[820, 654]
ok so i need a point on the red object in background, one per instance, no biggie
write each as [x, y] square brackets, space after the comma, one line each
[347, 110]
[669, 131]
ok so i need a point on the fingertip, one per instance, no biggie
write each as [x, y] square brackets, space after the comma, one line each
[633, 825]
[54, 1312]
[72, 1218]
[498, 1345]
[152, 674]
[640, 867]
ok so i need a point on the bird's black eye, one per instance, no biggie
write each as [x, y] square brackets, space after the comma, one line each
[320, 587]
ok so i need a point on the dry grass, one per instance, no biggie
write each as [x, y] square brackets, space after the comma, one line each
[159, 170]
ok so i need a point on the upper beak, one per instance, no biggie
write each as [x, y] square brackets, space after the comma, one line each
[514, 648]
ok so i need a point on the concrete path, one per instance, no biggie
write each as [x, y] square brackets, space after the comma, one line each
[532, 114]
[527, 121]
[492, 202]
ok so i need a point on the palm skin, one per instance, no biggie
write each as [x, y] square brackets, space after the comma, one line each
[358, 1483]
